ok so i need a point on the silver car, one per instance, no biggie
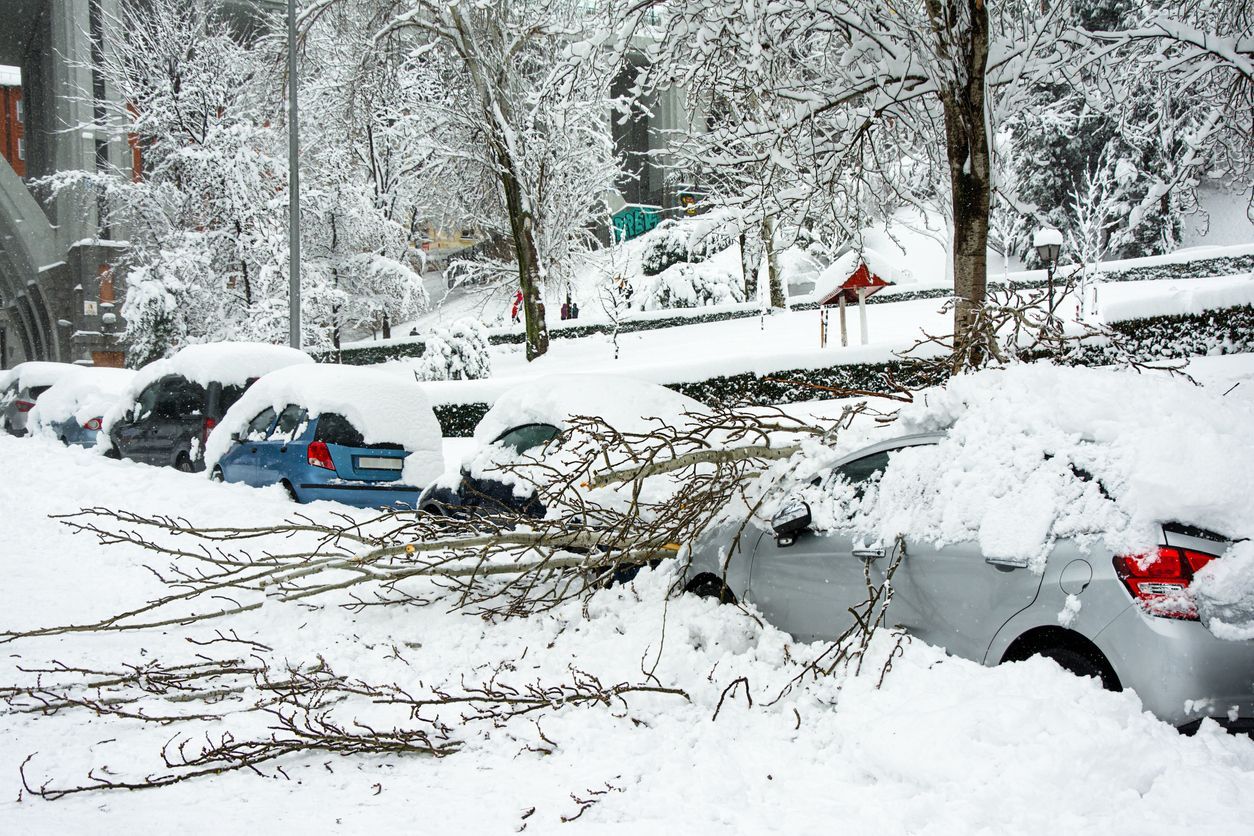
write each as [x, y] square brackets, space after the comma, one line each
[992, 611]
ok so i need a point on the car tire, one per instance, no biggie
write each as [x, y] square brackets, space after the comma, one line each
[112, 453]
[1083, 664]
[184, 464]
[291, 492]
[217, 475]
[708, 586]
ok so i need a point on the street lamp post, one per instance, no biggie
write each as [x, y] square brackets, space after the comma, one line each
[1048, 244]
[293, 176]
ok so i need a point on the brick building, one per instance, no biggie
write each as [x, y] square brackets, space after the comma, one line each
[12, 120]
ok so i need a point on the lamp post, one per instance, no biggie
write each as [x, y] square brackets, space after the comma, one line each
[1048, 244]
[293, 178]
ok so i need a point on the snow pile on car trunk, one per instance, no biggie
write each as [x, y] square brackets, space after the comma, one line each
[228, 363]
[1224, 593]
[87, 393]
[385, 407]
[1036, 453]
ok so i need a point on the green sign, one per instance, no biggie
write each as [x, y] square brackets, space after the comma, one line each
[635, 220]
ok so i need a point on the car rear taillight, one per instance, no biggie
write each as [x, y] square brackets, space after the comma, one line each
[319, 456]
[93, 425]
[205, 429]
[1159, 582]
[25, 406]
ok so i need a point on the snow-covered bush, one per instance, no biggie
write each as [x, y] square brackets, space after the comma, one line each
[689, 241]
[459, 352]
[713, 282]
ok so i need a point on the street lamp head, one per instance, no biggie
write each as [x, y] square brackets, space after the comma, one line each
[1048, 244]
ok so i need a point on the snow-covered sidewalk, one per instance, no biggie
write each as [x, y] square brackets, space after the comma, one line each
[943, 747]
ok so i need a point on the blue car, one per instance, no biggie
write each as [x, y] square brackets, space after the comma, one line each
[324, 457]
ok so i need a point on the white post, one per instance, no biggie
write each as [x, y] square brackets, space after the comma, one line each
[844, 332]
[862, 313]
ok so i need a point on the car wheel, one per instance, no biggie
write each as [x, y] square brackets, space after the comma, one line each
[112, 453]
[184, 463]
[708, 586]
[1083, 664]
[291, 492]
[217, 475]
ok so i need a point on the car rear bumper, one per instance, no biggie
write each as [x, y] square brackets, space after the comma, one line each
[1180, 670]
[359, 494]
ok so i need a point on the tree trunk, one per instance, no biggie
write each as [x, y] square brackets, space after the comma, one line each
[772, 262]
[961, 30]
[528, 259]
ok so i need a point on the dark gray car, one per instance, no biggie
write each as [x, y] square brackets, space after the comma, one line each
[1092, 611]
[170, 421]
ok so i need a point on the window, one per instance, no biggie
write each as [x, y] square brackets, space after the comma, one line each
[292, 421]
[528, 437]
[21, 148]
[147, 401]
[861, 470]
[259, 427]
[19, 110]
[336, 429]
[230, 394]
[36, 391]
[180, 398]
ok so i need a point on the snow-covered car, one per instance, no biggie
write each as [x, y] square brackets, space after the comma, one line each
[357, 436]
[172, 405]
[73, 409]
[1094, 517]
[21, 387]
[525, 419]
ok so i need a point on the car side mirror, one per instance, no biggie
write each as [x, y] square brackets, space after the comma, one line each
[790, 521]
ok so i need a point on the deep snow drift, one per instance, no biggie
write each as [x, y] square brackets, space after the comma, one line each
[944, 746]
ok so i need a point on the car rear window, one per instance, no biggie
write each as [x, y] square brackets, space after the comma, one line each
[180, 398]
[36, 391]
[528, 436]
[336, 429]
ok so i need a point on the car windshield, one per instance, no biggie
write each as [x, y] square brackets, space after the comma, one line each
[528, 437]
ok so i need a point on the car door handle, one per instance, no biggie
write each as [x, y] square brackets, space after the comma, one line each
[1007, 562]
[869, 554]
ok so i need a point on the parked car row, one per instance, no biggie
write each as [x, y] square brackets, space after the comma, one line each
[263, 416]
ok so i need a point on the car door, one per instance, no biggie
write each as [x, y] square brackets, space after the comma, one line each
[808, 586]
[951, 595]
[279, 454]
[133, 433]
[247, 464]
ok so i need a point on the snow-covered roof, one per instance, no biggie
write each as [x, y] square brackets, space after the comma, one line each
[385, 407]
[625, 403]
[839, 271]
[10, 76]
[1047, 236]
[35, 373]
[228, 363]
[84, 394]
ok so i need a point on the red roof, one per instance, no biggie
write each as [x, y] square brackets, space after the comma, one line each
[861, 278]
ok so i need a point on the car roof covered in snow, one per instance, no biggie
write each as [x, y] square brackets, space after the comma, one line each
[36, 373]
[88, 393]
[625, 403]
[385, 407]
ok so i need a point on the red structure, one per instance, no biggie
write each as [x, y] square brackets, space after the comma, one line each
[12, 127]
[861, 279]
[860, 284]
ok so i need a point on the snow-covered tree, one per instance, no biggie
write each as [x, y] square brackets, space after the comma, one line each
[525, 116]
[459, 352]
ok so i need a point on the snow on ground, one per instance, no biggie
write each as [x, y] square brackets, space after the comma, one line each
[944, 747]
